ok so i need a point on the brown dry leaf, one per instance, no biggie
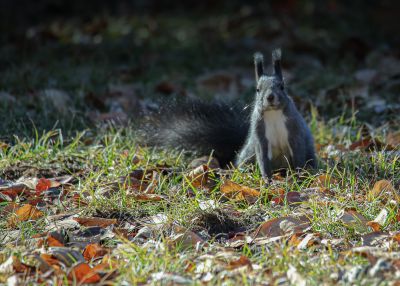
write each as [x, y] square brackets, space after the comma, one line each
[94, 250]
[169, 88]
[95, 221]
[324, 181]
[291, 198]
[8, 209]
[83, 273]
[186, 238]
[393, 139]
[367, 144]
[301, 241]
[14, 190]
[211, 162]
[52, 241]
[281, 226]
[190, 266]
[146, 197]
[296, 239]
[20, 267]
[375, 238]
[242, 261]
[374, 225]
[4, 146]
[239, 192]
[104, 267]
[198, 176]
[309, 240]
[42, 185]
[141, 181]
[48, 262]
[351, 218]
[107, 259]
[396, 237]
[49, 259]
[383, 187]
[379, 221]
[24, 213]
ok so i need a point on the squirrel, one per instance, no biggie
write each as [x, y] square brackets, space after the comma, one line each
[274, 134]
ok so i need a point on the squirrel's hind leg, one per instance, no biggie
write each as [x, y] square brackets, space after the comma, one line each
[246, 154]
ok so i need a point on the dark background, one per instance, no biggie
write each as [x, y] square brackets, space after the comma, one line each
[111, 59]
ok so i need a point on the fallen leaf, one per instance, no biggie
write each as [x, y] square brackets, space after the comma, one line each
[383, 187]
[291, 198]
[239, 192]
[5, 198]
[42, 185]
[379, 221]
[309, 240]
[95, 221]
[169, 88]
[93, 250]
[141, 181]
[324, 181]
[189, 266]
[66, 255]
[375, 238]
[47, 261]
[198, 177]
[20, 267]
[13, 191]
[52, 241]
[351, 218]
[83, 273]
[374, 225]
[367, 144]
[393, 139]
[186, 238]
[8, 209]
[50, 259]
[24, 213]
[146, 197]
[295, 239]
[396, 237]
[281, 226]
[210, 162]
[242, 261]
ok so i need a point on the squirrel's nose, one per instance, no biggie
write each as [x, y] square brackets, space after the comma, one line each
[270, 97]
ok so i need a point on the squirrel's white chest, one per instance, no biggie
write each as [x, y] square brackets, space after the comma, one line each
[277, 135]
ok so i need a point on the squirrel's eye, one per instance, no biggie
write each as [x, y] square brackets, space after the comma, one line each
[258, 90]
[281, 87]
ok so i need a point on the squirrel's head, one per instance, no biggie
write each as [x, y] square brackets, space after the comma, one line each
[270, 92]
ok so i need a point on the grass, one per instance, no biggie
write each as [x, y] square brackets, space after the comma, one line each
[105, 159]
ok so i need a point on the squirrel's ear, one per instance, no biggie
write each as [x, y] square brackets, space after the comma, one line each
[276, 62]
[259, 65]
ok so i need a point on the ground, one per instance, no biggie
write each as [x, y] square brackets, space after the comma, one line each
[82, 201]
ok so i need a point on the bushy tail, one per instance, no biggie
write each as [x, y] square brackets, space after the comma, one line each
[198, 126]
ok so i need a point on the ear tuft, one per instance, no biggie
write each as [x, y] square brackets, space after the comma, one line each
[276, 55]
[258, 57]
[276, 62]
[259, 65]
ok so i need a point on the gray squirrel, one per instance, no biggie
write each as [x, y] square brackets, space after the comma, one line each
[274, 135]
